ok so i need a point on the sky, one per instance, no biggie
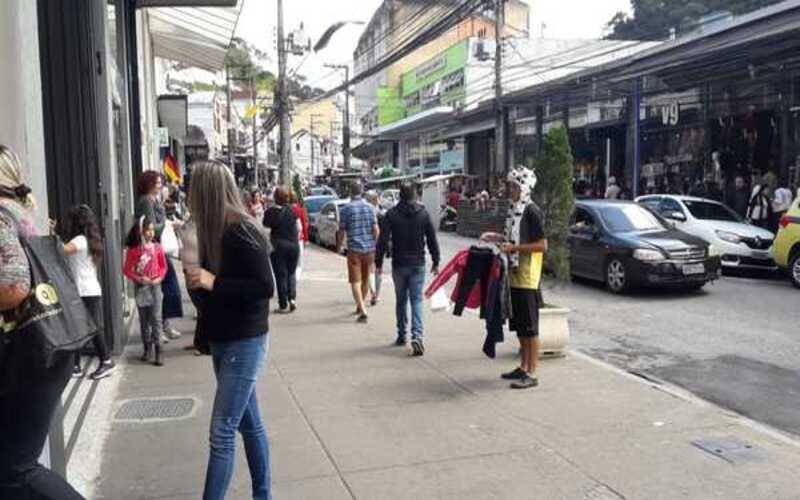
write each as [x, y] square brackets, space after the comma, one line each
[257, 26]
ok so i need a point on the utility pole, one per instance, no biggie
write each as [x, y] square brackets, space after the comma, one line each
[500, 122]
[231, 130]
[283, 105]
[255, 130]
[346, 121]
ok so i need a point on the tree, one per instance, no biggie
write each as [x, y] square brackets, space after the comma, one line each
[653, 19]
[554, 196]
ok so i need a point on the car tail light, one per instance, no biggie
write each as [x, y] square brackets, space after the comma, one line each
[785, 221]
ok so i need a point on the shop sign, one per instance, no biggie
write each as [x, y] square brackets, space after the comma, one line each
[678, 159]
[431, 67]
[670, 113]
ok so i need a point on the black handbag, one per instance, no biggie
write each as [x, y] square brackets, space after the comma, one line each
[51, 320]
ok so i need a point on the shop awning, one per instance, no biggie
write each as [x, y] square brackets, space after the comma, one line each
[410, 127]
[197, 36]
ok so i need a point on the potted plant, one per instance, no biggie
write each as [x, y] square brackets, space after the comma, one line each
[554, 196]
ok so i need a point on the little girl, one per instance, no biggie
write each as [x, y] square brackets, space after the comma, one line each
[84, 252]
[146, 266]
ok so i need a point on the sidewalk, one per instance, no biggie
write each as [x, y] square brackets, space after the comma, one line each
[350, 416]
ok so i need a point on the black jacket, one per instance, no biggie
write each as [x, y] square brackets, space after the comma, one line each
[408, 226]
[238, 306]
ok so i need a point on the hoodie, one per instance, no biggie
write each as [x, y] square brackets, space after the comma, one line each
[408, 226]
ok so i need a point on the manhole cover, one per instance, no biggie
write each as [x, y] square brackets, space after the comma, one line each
[731, 450]
[155, 409]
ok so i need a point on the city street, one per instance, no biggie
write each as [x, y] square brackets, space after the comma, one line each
[736, 343]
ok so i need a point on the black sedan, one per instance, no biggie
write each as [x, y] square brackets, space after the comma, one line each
[627, 246]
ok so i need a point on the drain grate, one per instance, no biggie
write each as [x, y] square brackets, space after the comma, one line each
[155, 409]
[731, 450]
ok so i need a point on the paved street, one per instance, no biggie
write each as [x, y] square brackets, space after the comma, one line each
[352, 417]
[736, 343]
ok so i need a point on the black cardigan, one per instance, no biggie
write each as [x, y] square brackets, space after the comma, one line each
[238, 306]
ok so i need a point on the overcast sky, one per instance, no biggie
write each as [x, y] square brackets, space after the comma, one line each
[563, 19]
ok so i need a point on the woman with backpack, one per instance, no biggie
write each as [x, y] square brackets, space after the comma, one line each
[759, 211]
[26, 410]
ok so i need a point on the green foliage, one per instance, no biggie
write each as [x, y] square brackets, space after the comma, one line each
[386, 173]
[653, 19]
[297, 187]
[554, 171]
[245, 62]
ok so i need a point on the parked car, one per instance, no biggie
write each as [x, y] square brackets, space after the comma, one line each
[323, 191]
[327, 223]
[786, 250]
[626, 246]
[741, 245]
[313, 206]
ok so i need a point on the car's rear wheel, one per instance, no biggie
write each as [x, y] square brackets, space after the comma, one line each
[616, 276]
[794, 268]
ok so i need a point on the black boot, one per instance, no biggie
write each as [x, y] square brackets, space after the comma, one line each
[146, 355]
[158, 361]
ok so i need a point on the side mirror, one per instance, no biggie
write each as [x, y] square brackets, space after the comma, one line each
[676, 216]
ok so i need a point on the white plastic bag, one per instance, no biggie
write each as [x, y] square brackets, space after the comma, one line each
[169, 241]
[440, 301]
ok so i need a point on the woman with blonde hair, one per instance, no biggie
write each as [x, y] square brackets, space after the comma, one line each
[29, 391]
[235, 279]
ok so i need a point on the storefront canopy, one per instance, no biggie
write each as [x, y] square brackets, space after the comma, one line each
[410, 127]
[197, 36]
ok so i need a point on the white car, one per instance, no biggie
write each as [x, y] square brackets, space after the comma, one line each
[327, 222]
[740, 245]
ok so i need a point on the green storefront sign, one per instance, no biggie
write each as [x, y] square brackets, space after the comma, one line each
[450, 61]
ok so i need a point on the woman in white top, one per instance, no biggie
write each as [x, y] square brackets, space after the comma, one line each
[84, 252]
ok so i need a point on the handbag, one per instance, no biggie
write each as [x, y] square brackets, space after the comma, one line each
[51, 320]
[169, 241]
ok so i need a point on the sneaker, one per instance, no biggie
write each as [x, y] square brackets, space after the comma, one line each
[373, 301]
[400, 341]
[525, 383]
[77, 371]
[417, 347]
[172, 333]
[164, 339]
[517, 374]
[292, 306]
[105, 369]
[362, 318]
[283, 310]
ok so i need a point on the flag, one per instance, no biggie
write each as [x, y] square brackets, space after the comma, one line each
[172, 170]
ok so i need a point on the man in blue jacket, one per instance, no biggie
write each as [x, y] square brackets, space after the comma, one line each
[408, 226]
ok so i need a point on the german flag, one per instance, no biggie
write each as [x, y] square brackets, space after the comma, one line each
[172, 170]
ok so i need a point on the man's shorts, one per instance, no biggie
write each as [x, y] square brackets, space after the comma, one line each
[525, 309]
[359, 266]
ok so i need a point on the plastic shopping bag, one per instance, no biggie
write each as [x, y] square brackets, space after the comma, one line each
[169, 241]
[440, 301]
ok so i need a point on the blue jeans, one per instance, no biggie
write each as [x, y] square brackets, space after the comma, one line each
[237, 365]
[408, 283]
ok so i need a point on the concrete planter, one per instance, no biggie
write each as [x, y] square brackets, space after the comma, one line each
[553, 331]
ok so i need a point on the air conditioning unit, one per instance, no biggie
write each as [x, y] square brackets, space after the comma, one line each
[480, 52]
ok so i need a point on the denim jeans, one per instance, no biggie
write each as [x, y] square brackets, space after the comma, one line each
[237, 365]
[408, 283]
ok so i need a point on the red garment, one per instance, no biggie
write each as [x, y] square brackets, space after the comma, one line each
[453, 198]
[145, 261]
[302, 216]
[456, 266]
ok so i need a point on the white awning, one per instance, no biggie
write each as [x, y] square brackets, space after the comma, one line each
[197, 36]
[411, 126]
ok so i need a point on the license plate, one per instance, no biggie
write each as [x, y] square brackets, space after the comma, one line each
[694, 269]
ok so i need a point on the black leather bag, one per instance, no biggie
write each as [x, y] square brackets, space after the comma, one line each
[51, 320]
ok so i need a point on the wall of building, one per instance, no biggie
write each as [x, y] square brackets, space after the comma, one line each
[21, 126]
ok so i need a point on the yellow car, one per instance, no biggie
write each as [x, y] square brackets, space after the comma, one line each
[786, 249]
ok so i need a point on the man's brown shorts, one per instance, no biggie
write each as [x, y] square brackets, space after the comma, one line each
[359, 266]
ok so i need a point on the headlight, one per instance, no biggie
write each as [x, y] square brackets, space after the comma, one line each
[729, 237]
[713, 251]
[648, 255]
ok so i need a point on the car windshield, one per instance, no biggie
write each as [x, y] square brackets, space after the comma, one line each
[705, 210]
[629, 219]
[314, 205]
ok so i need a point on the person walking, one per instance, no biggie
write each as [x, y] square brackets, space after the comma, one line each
[235, 279]
[358, 225]
[283, 225]
[149, 204]
[781, 203]
[302, 218]
[26, 410]
[376, 280]
[613, 190]
[409, 228]
[759, 211]
[146, 267]
[739, 198]
[525, 244]
[84, 251]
